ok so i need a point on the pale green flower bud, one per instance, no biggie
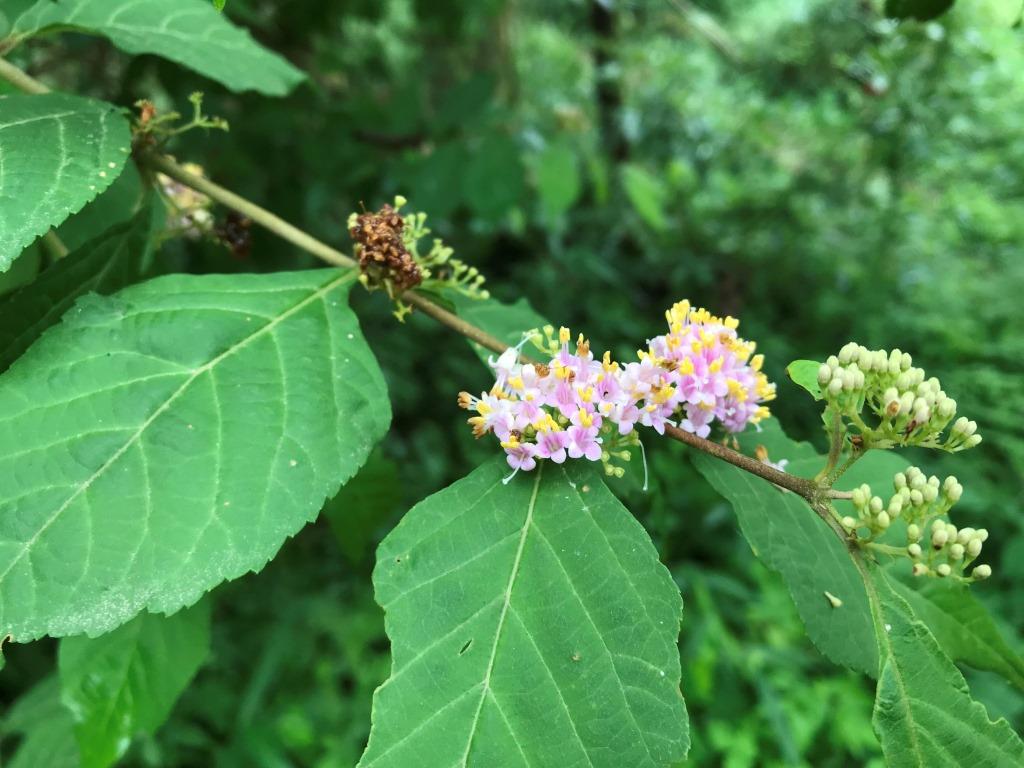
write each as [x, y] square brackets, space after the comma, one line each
[933, 481]
[835, 386]
[956, 552]
[846, 354]
[895, 506]
[913, 532]
[824, 374]
[955, 492]
[947, 408]
[930, 493]
[920, 569]
[939, 538]
[916, 498]
[951, 531]
[982, 572]
[906, 403]
[883, 520]
[943, 570]
[858, 498]
[964, 535]
[832, 361]
[875, 505]
[899, 480]
[849, 523]
[949, 482]
[982, 534]
[938, 525]
[906, 361]
[972, 441]
[974, 547]
[914, 550]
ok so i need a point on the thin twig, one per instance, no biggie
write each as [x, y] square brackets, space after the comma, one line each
[167, 165]
[54, 245]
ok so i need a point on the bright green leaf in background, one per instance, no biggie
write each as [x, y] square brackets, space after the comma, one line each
[531, 625]
[557, 176]
[190, 32]
[125, 682]
[364, 503]
[924, 715]
[118, 257]
[160, 441]
[648, 195]
[59, 153]
[45, 727]
[804, 373]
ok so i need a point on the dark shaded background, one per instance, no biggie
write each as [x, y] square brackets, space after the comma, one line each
[819, 171]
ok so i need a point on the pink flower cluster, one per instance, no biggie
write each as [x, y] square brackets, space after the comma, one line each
[577, 407]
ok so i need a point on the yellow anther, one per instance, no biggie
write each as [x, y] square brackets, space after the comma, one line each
[686, 366]
[731, 322]
[586, 419]
[737, 390]
[716, 364]
[563, 335]
[756, 362]
[516, 382]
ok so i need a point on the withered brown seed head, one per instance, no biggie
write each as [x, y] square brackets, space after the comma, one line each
[382, 253]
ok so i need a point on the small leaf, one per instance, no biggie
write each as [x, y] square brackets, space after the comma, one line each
[106, 264]
[648, 195]
[524, 620]
[924, 714]
[59, 153]
[163, 440]
[124, 683]
[190, 32]
[45, 726]
[557, 174]
[805, 374]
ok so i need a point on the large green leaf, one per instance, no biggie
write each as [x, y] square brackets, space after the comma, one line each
[962, 626]
[58, 153]
[125, 682]
[531, 624]
[924, 715]
[103, 265]
[162, 440]
[790, 538]
[189, 32]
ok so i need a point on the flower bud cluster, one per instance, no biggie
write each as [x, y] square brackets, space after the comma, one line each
[387, 246]
[935, 546]
[574, 406]
[907, 407]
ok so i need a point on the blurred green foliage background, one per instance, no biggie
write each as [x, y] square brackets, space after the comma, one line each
[819, 171]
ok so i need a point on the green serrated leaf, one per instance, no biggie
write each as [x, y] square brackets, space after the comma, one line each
[507, 322]
[790, 538]
[961, 625]
[124, 683]
[160, 441]
[805, 374]
[59, 153]
[924, 715]
[524, 618]
[103, 265]
[190, 32]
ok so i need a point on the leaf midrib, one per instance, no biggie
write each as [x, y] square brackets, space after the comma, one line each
[504, 613]
[196, 373]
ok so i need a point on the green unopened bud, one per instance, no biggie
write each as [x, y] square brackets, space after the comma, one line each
[920, 569]
[824, 374]
[982, 572]
[914, 550]
[964, 535]
[916, 498]
[930, 493]
[913, 532]
[883, 520]
[939, 538]
[972, 441]
[899, 480]
[981, 534]
[943, 570]
[974, 547]
[849, 523]
[876, 505]
[956, 552]
[835, 386]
